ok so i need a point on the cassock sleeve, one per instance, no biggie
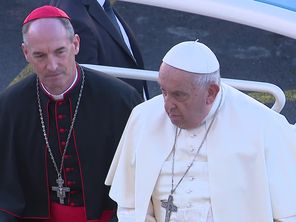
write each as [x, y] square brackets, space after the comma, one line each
[138, 144]
[122, 170]
[7, 217]
[11, 195]
[280, 151]
[121, 175]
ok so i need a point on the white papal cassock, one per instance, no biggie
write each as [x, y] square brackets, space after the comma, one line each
[247, 165]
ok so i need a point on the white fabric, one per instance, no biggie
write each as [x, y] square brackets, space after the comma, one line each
[192, 196]
[101, 2]
[290, 219]
[251, 161]
[192, 56]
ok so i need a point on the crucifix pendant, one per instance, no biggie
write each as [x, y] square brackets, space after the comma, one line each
[61, 190]
[169, 207]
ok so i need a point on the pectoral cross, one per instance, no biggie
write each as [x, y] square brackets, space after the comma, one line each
[61, 190]
[169, 207]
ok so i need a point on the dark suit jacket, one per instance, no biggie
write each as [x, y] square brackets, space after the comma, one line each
[100, 42]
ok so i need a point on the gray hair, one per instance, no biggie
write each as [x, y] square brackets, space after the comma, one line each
[205, 80]
[65, 22]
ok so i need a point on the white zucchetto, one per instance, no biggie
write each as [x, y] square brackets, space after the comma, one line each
[192, 56]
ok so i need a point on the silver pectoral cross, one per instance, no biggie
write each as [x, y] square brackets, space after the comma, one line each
[169, 207]
[61, 190]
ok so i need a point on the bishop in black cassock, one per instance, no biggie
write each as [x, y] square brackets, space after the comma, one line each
[26, 171]
[38, 131]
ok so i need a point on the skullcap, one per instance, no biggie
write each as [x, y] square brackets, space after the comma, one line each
[46, 11]
[192, 56]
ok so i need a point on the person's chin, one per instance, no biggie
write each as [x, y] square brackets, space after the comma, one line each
[54, 80]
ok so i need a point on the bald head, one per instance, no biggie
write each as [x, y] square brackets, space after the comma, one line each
[66, 25]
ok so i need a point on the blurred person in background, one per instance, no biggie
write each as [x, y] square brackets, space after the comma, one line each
[106, 39]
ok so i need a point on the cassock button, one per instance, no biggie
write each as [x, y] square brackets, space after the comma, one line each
[72, 204]
[62, 130]
[67, 156]
[60, 103]
[63, 143]
[70, 183]
[60, 116]
[69, 170]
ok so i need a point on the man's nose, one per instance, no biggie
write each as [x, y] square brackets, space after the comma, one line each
[51, 63]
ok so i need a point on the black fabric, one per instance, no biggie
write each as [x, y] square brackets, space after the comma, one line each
[104, 109]
[110, 13]
[4, 217]
[100, 41]
[59, 114]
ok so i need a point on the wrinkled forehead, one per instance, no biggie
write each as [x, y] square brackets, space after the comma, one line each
[46, 25]
[173, 78]
[47, 32]
[168, 72]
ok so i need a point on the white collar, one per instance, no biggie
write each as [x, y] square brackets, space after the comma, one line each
[101, 2]
[60, 96]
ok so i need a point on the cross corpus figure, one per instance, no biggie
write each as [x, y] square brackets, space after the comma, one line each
[61, 190]
[169, 207]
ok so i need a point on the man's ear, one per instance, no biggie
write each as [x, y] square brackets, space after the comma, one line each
[76, 42]
[25, 51]
[212, 93]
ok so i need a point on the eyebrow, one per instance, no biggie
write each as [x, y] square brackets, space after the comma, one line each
[61, 48]
[37, 53]
[56, 50]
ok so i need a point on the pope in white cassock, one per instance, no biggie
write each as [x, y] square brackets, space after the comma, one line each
[203, 151]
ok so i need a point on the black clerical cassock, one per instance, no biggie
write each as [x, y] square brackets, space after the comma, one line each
[26, 170]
